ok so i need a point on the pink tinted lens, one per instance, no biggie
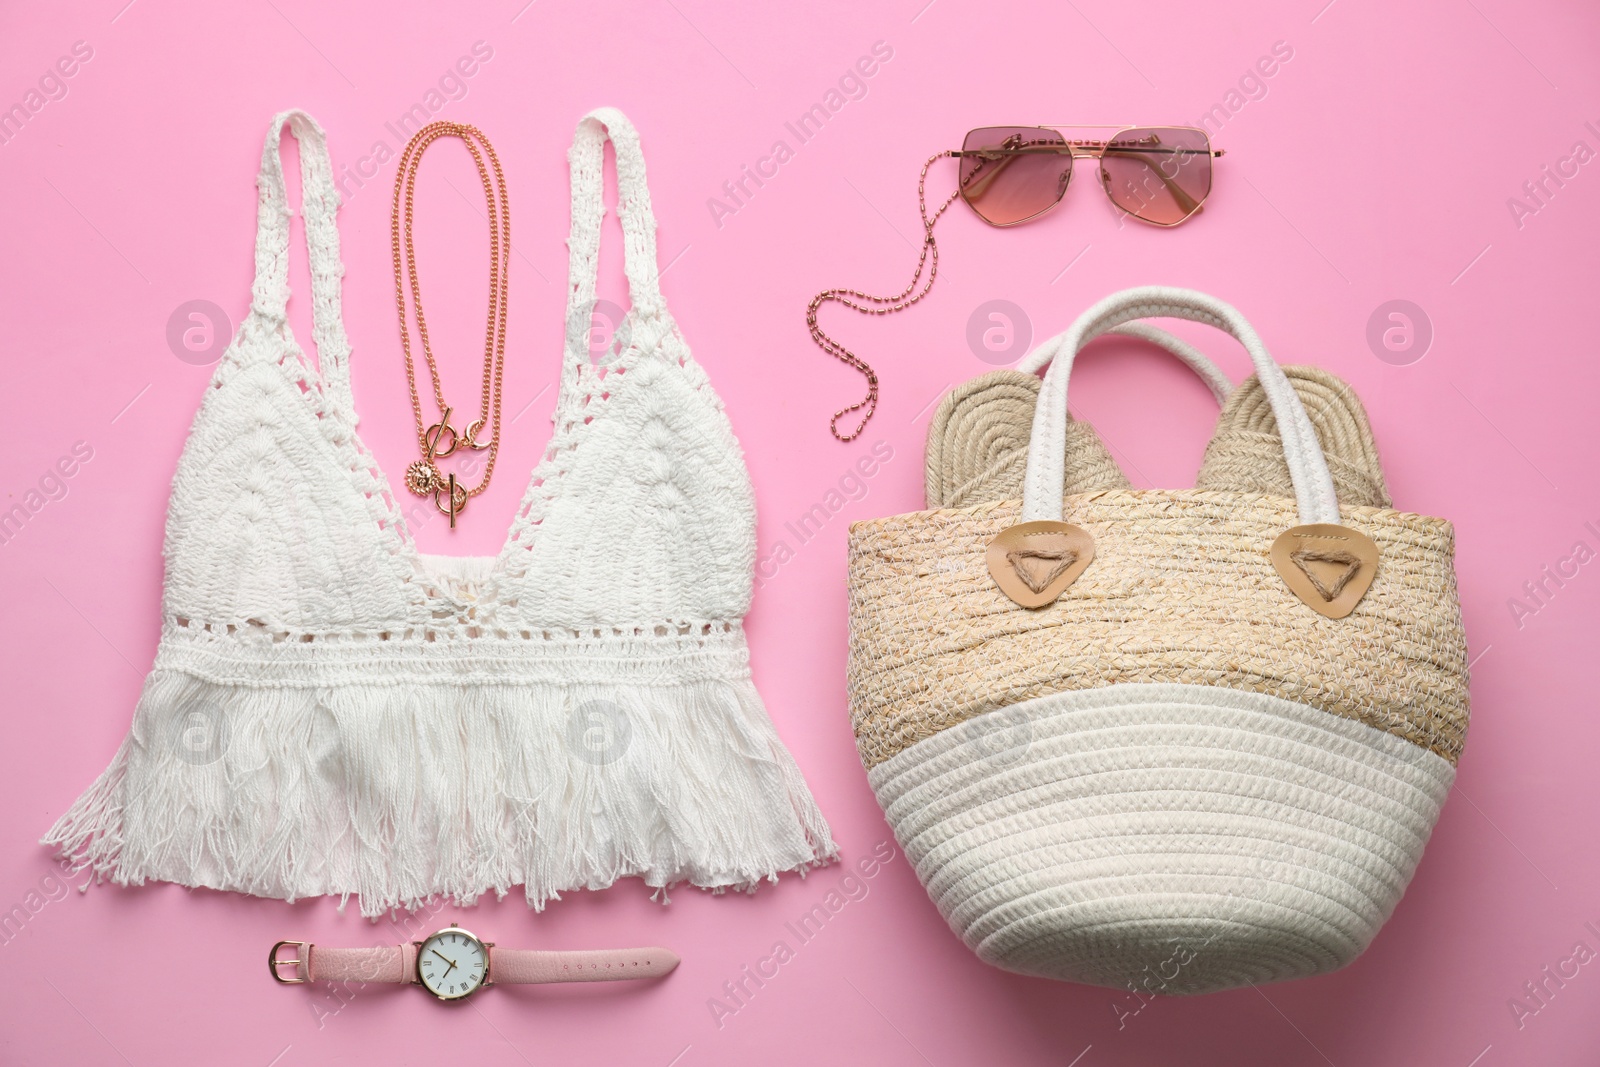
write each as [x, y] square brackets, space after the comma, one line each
[1012, 173]
[1161, 174]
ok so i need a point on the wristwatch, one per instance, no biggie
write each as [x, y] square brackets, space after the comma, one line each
[455, 963]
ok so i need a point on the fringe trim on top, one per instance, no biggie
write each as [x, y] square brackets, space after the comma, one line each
[399, 795]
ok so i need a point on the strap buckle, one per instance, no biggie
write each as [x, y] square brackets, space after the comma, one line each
[273, 962]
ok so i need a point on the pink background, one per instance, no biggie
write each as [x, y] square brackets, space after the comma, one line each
[1376, 164]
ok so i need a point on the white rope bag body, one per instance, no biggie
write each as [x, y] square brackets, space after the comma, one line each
[1167, 740]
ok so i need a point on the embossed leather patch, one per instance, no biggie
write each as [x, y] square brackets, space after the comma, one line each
[1034, 562]
[1329, 567]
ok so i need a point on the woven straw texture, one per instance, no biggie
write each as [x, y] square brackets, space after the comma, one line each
[1181, 590]
[1246, 452]
[978, 443]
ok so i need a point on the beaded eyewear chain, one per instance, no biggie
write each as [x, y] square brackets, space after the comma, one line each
[880, 305]
[1011, 174]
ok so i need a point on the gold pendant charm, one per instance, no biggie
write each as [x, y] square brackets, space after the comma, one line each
[455, 496]
[469, 439]
[421, 478]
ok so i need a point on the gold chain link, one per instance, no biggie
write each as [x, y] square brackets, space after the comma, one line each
[423, 477]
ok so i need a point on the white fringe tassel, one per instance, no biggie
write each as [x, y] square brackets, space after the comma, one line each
[399, 795]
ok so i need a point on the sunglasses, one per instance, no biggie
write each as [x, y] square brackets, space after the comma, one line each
[1158, 174]
[1010, 174]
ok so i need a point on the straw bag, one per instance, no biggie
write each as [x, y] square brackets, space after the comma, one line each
[1168, 740]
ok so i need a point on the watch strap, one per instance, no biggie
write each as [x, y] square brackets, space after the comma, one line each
[512, 966]
[385, 963]
[507, 966]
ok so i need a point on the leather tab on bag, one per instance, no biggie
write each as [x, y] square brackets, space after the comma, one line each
[1328, 567]
[1033, 563]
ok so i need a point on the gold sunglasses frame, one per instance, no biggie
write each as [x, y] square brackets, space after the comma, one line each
[1077, 148]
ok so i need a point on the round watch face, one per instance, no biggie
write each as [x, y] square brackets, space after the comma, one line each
[452, 963]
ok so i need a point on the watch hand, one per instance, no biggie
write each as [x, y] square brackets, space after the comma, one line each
[441, 955]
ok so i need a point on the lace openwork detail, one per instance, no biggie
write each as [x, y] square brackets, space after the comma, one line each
[450, 627]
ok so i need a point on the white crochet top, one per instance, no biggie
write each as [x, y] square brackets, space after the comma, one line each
[332, 712]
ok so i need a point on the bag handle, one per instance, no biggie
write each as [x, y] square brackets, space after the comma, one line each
[1211, 374]
[1042, 490]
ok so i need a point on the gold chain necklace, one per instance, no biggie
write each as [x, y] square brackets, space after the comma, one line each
[440, 438]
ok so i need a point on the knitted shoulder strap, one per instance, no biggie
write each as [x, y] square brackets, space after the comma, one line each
[1042, 490]
[587, 161]
[269, 297]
